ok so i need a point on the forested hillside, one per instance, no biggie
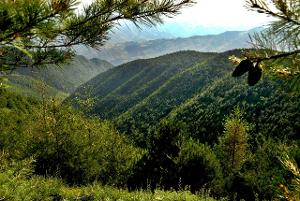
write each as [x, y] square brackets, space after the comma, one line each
[57, 80]
[195, 88]
[199, 125]
[123, 87]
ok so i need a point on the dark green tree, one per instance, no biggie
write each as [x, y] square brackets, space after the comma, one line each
[37, 32]
[158, 166]
[199, 167]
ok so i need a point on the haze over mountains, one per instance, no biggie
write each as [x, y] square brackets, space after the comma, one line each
[129, 32]
[139, 48]
[173, 110]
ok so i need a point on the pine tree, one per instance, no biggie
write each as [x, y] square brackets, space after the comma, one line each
[38, 32]
[276, 48]
[233, 144]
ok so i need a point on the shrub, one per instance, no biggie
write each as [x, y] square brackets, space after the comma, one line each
[199, 167]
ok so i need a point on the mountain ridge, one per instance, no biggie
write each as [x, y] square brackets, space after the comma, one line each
[133, 50]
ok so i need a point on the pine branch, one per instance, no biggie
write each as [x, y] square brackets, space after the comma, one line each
[277, 56]
[261, 9]
[56, 26]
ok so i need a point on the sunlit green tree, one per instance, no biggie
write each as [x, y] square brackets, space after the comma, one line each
[233, 144]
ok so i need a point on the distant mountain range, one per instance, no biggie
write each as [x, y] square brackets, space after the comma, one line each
[57, 81]
[118, 53]
[127, 32]
[190, 87]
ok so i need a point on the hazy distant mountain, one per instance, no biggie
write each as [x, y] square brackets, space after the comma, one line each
[58, 80]
[129, 32]
[119, 53]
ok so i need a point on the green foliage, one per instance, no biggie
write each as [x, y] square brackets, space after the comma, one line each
[3, 83]
[292, 166]
[263, 171]
[193, 88]
[31, 87]
[66, 144]
[121, 88]
[233, 145]
[158, 167]
[270, 110]
[199, 94]
[173, 92]
[54, 81]
[233, 150]
[17, 182]
[199, 167]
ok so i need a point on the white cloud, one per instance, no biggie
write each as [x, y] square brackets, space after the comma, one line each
[230, 14]
[221, 13]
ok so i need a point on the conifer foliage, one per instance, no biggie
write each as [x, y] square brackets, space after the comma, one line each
[36, 32]
[276, 48]
[234, 141]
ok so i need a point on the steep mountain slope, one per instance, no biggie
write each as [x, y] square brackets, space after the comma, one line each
[176, 90]
[194, 88]
[119, 53]
[58, 80]
[268, 108]
[124, 86]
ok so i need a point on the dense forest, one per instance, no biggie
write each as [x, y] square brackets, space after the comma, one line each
[49, 150]
[197, 90]
[180, 116]
[180, 143]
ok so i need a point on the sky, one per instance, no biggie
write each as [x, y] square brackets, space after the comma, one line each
[230, 14]
[217, 14]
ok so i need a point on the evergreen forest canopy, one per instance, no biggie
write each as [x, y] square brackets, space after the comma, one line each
[175, 127]
[192, 87]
